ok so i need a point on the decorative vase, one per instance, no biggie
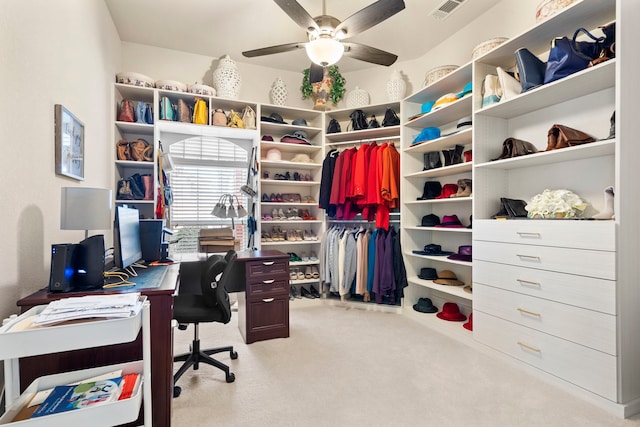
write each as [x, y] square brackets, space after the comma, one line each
[226, 79]
[279, 92]
[357, 98]
[396, 86]
[321, 92]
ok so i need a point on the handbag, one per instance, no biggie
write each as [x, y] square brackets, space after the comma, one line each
[141, 112]
[141, 151]
[249, 117]
[137, 186]
[334, 126]
[167, 111]
[184, 111]
[491, 91]
[530, 69]
[511, 208]
[373, 123]
[510, 86]
[560, 136]
[358, 120]
[220, 209]
[126, 111]
[512, 147]
[219, 118]
[123, 150]
[148, 116]
[235, 121]
[390, 118]
[239, 210]
[124, 189]
[200, 112]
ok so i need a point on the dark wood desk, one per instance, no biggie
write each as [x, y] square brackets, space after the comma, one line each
[161, 299]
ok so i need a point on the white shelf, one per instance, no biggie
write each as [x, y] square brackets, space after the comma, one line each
[441, 171]
[446, 114]
[442, 229]
[290, 242]
[284, 164]
[460, 138]
[288, 182]
[446, 289]
[442, 259]
[356, 136]
[290, 148]
[437, 201]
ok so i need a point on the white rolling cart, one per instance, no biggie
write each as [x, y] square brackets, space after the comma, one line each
[53, 339]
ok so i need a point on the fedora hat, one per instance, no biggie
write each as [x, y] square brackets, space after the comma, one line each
[273, 118]
[424, 305]
[448, 190]
[429, 220]
[469, 324]
[431, 190]
[451, 312]
[450, 221]
[299, 122]
[463, 254]
[449, 278]
[432, 249]
[428, 273]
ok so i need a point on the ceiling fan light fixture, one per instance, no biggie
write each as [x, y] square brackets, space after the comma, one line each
[324, 51]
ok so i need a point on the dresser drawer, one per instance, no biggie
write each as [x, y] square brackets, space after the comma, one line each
[267, 318]
[267, 287]
[589, 328]
[582, 366]
[583, 262]
[581, 291]
[597, 235]
[270, 267]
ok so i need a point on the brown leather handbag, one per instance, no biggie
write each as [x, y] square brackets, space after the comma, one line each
[123, 150]
[126, 111]
[561, 136]
[513, 147]
[141, 151]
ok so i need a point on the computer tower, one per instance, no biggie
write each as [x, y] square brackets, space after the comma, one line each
[151, 239]
[89, 263]
[62, 267]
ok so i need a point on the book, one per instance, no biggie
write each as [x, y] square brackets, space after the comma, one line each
[65, 398]
[129, 386]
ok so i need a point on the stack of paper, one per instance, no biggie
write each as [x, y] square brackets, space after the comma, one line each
[90, 306]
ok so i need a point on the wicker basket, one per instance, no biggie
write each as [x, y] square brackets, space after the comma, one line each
[548, 8]
[437, 73]
[486, 46]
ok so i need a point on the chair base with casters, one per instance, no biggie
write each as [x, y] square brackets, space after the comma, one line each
[197, 356]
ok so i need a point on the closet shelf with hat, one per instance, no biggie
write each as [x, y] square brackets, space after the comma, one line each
[437, 205]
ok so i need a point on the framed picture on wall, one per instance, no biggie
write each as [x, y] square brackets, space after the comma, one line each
[69, 132]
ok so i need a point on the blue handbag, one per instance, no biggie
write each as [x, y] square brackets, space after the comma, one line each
[148, 115]
[568, 56]
[141, 111]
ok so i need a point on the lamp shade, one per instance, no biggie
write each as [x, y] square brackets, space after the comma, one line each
[324, 51]
[85, 208]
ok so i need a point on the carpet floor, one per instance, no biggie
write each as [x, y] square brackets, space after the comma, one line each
[344, 366]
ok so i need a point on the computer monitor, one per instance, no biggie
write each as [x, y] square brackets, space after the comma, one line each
[126, 238]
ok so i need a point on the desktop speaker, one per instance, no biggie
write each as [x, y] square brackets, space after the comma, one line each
[151, 239]
[62, 268]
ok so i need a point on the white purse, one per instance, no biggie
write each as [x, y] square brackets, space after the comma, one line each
[249, 117]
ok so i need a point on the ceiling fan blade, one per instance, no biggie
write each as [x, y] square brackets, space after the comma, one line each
[368, 17]
[316, 73]
[368, 54]
[273, 49]
[299, 15]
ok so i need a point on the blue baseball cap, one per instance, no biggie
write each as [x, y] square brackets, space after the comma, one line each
[427, 134]
[468, 88]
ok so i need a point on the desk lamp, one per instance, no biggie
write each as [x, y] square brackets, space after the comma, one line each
[85, 209]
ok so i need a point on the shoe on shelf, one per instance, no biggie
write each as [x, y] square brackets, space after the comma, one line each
[303, 256]
[305, 292]
[313, 256]
[293, 274]
[292, 292]
[300, 274]
[314, 292]
[315, 274]
[307, 273]
[265, 198]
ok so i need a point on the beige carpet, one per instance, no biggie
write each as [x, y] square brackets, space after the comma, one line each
[351, 367]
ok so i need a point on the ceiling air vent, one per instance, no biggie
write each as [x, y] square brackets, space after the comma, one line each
[446, 8]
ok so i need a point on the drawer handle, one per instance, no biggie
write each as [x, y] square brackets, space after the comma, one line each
[268, 282]
[529, 347]
[528, 234]
[528, 256]
[530, 313]
[268, 262]
[528, 282]
[268, 299]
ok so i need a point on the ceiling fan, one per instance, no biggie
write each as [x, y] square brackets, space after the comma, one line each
[326, 35]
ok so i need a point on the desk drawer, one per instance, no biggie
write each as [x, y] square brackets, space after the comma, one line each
[597, 235]
[271, 267]
[582, 366]
[583, 262]
[267, 287]
[589, 328]
[267, 318]
[581, 291]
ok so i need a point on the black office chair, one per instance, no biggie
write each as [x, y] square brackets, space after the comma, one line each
[202, 297]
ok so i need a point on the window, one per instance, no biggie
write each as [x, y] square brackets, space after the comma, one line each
[204, 169]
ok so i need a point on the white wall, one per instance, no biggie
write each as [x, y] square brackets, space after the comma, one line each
[53, 52]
